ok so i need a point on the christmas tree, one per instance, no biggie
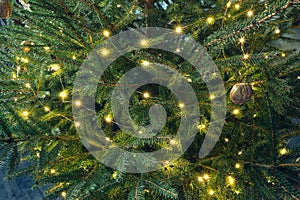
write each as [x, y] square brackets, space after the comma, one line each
[71, 120]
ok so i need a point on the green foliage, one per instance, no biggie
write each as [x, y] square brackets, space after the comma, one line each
[61, 33]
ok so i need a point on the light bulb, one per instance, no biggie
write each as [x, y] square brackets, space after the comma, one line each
[181, 105]
[46, 108]
[242, 40]
[78, 103]
[52, 171]
[63, 94]
[200, 179]
[277, 31]
[146, 95]
[108, 119]
[236, 111]
[64, 194]
[210, 20]
[237, 6]
[283, 151]
[144, 42]
[46, 48]
[250, 13]
[106, 33]
[228, 4]
[230, 180]
[237, 165]
[145, 63]
[172, 142]
[27, 85]
[104, 52]
[206, 176]
[178, 29]
[25, 113]
[246, 56]
[211, 192]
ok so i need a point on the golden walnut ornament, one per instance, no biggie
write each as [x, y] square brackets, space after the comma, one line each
[5, 9]
[241, 93]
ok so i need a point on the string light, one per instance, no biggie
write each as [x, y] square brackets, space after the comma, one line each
[211, 192]
[298, 77]
[27, 85]
[104, 52]
[106, 33]
[210, 20]
[54, 67]
[146, 95]
[52, 171]
[63, 94]
[277, 31]
[78, 103]
[246, 56]
[283, 151]
[230, 180]
[228, 4]
[206, 176]
[212, 97]
[144, 42]
[250, 13]
[236, 111]
[74, 57]
[107, 139]
[25, 113]
[242, 40]
[237, 6]
[240, 153]
[226, 140]
[77, 124]
[46, 48]
[283, 54]
[46, 108]
[173, 142]
[181, 105]
[178, 29]
[237, 165]
[24, 60]
[189, 80]
[108, 119]
[202, 126]
[200, 179]
[64, 194]
[145, 63]
[118, 6]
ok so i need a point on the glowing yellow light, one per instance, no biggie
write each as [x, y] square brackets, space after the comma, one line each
[226, 140]
[25, 113]
[178, 29]
[237, 165]
[212, 97]
[206, 176]
[144, 42]
[246, 56]
[242, 40]
[200, 179]
[52, 171]
[147, 191]
[250, 13]
[63, 194]
[24, 60]
[277, 31]
[107, 139]
[54, 67]
[119, 6]
[78, 103]
[189, 80]
[172, 142]
[255, 115]
[283, 54]
[74, 57]
[46, 108]
[104, 52]
[77, 124]
[237, 6]
[210, 20]
[240, 153]
[108, 119]
[283, 151]
[228, 4]
[27, 85]
[181, 105]
[202, 126]
[298, 77]
[211, 192]
[145, 63]
[46, 48]
[236, 111]
[63, 94]
[25, 49]
[106, 33]
[230, 180]
[146, 95]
